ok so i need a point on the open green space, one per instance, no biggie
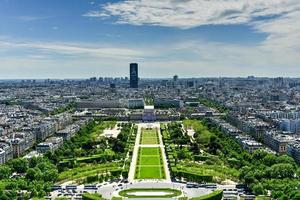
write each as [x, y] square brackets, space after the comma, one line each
[149, 136]
[133, 193]
[100, 127]
[149, 164]
[218, 172]
[88, 157]
[86, 170]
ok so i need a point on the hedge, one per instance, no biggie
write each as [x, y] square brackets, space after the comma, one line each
[215, 195]
[87, 196]
[192, 177]
[200, 158]
[117, 198]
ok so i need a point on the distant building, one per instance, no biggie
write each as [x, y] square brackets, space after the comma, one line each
[8, 151]
[44, 130]
[251, 145]
[277, 142]
[50, 144]
[175, 78]
[21, 143]
[168, 103]
[98, 104]
[68, 132]
[134, 78]
[149, 114]
[293, 150]
[136, 103]
[2, 156]
[112, 85]
[290, 125]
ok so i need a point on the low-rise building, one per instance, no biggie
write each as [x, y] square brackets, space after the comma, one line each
[21, 142]
[50, 144]
[8, 150]
[293, 150]
[277, 142]
[252, 145]
[44, 130]
[68, 132]
[149, 114]
[168, 103]
[136, 103]
[2, 156]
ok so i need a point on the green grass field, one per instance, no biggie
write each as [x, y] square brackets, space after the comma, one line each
[149, 164]
[149, 136]
[129, 193]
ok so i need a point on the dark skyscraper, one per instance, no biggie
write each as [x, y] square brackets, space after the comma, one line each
[134, 78]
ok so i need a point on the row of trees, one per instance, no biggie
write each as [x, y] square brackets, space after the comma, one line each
[261, 171]
[35, 175]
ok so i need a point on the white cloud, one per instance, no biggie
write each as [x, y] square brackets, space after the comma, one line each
[75, 49]
[192, 13]
[193, 58]
[279, 19]
[96, 14]
[28, 18]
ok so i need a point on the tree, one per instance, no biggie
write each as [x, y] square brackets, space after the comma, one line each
[258, 189]
[34, 174]
[213, 145]
[5, 172]
[249, 178]
[51, 175]
[183, 154]
[281, 171]
[269, 160]
[19, 165]
[259, 155]
[195, 148]
[30, 175]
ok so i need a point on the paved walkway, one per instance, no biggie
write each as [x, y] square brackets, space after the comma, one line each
[137, 145]
[135, 154]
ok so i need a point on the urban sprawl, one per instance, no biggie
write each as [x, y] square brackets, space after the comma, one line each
[38, 118]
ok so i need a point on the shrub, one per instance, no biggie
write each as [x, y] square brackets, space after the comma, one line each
[88, 196]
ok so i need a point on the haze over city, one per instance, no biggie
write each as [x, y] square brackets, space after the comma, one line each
[83, 38]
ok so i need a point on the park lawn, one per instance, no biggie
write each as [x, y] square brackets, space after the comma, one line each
[149, 151]
[219, 172]
[98, 129]
[149, 164]
[150, 160]
[195, 124]
[149, 136]
[129, 193]
[204, 134]
[150, 172]
[149, 140]
[86, 170]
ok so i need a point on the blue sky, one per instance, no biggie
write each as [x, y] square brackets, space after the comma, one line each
[191, 38]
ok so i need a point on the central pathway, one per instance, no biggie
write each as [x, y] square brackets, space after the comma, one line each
[132, 169]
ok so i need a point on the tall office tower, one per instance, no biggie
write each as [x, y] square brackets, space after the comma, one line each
[175, 78]
[134, 78]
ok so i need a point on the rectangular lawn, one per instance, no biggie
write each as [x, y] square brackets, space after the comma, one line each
[149, 165]
[149, 136]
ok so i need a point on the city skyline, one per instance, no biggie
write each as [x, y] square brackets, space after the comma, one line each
[62, 39]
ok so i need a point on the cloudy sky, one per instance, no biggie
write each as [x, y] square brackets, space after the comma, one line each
[191, 38]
